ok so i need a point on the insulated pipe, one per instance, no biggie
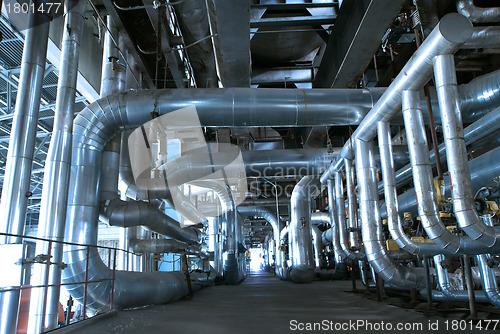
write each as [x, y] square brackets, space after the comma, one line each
[456, 155]
[52, 217]
[484, 169]
[340, 255]
[478, 14]
[448, 291]
[391, 197]
[17, 176]
[16, 184]
[277, 226]
[486, 126]
[424, 183]
[484, 38]
[300, 238]
[481, 93]
[488, 279]
[451, 32]
[163, 246]
[129, 214]
[373, 237]
[352, 208]
[341, 218]
[318, 245]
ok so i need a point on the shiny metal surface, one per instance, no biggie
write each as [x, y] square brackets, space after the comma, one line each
[448, 290]
[446, 38]
[318, 245]
[277, 226]
[341, 218]
[478, 14]
[130, 214]
[486, 127]
[456, 155]
[391, 198]
[424, 184]
[334, 231]
[300, 238]
[373, 237]
[157, 246]
[52, 217]
[480, 94]
[17, 176]
[352, 205]
[488, 279]
[484, 38]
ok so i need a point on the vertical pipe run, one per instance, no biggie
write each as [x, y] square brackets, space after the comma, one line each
[300, 238]
[338, 252]
[341, 219]
[470, 287]
[352, 205]
[456, 154]
[56, 176]
[17, 177]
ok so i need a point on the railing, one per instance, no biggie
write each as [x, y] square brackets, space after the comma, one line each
[45, 259]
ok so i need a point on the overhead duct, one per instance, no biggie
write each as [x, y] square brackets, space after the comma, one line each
[277, 226]
[373, 237]
[300, 238]
[451, 32]
[484, 38]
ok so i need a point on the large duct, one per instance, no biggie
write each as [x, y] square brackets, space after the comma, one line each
[452, 31]
[277, 226]
[373, 236]
[318, 245]
[456, 156]
[478, 14]
[300, 238]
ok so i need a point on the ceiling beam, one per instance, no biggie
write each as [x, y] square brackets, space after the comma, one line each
[358, 32]
[230, 20]
[289, 21]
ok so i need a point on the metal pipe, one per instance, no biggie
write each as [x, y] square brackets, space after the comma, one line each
[484, 38]
[352, 209]
[456, 155]
[17, 176]
[318, 245]
[391, 198]
[129, 214]
[162, 246]
[486, 126]
[424, 184]
[478, 14]
[300, 239]
[340, 255]
[341, 219]
[446, 38]
[277, 226]
[448, 290]
[480, 95]
[373, 237]
[52, 216]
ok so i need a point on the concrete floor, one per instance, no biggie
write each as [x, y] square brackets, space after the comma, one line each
[265, 304]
